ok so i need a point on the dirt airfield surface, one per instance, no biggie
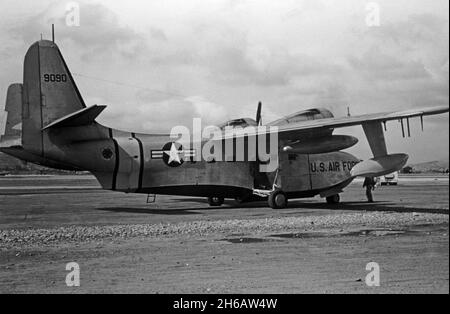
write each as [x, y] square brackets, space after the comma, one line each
[181, 245]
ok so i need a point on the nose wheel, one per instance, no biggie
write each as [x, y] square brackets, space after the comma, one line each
[278, 200]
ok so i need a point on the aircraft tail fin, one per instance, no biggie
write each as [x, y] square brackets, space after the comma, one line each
[11, 126]
[49, 93]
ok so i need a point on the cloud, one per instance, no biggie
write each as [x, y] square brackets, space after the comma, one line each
[266, 68]
[415, 30]
[402, 63]
[420, 40]
[101, 34]
[158, 34]
[159, 112]
[211, 112]
[375, 65]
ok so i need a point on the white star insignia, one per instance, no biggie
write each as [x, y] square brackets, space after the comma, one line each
[174, 154]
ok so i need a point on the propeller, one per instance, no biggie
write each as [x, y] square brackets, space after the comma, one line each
[258, 114]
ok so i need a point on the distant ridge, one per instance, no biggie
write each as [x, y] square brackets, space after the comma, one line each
[11, 165]
[8, 163]
[431, 166]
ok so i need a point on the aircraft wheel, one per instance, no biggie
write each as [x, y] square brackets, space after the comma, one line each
[215, 201]
[334, 199]
[278, 200]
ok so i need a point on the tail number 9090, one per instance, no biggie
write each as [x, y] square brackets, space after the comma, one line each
[55, 78]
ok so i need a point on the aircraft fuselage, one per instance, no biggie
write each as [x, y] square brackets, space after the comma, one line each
[140, 163]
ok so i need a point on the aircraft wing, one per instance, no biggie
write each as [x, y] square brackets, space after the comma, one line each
[381, 164]
[291, 130]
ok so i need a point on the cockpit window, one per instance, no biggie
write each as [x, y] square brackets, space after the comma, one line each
[237, 122]
[243, 123]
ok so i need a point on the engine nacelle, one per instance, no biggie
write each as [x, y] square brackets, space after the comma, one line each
[321, 145]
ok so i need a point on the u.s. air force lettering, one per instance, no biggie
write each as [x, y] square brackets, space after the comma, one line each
[173, 154]
[332, 166]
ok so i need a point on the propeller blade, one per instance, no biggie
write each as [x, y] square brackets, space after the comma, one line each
[258, 114]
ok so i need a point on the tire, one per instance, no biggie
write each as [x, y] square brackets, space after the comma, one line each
[334, 199]
[278, 200]
[215, 201]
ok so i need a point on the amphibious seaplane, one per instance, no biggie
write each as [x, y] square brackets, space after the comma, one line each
[48, 123]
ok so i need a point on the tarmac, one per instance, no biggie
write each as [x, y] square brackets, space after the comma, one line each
[181, 245]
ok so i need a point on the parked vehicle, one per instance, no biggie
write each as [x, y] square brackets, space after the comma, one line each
[389, 179]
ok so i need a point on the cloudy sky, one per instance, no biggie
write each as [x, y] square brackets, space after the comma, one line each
[159, 63]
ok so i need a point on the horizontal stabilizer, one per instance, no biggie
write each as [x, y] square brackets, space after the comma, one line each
[82, 117]
[20, 153]
[380, 166]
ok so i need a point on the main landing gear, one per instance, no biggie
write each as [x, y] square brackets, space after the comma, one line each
[278, 199]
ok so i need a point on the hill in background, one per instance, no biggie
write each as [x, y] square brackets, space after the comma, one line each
[13, 165]
[8, 163]
[431, 166]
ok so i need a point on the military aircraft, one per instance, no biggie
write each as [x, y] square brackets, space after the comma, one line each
[48, 123]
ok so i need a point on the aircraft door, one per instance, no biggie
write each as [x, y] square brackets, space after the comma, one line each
[129, 164]
[295, 175]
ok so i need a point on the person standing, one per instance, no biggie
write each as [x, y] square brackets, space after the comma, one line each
[369, 184]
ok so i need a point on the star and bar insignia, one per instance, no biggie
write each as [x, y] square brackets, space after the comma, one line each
[173, 154]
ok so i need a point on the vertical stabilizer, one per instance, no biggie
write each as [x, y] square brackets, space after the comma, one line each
[11, 127]
[49, 93]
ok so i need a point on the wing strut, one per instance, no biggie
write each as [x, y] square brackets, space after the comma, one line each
[409, 129]
[403, 128]
[375, 137]
[382, 163]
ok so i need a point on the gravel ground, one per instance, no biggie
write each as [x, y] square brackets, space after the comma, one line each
[181, 245]
[38, 237]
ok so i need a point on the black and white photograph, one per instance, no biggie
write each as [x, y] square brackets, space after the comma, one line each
[223, 155]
